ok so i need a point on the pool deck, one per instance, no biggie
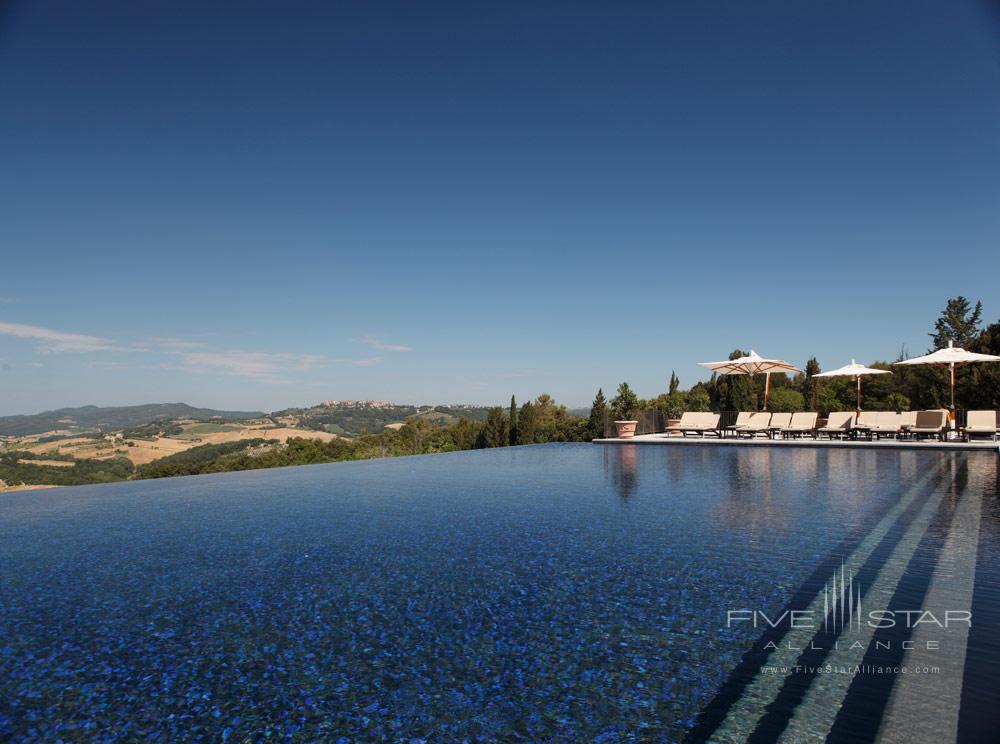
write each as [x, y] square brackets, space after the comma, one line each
[673, 439]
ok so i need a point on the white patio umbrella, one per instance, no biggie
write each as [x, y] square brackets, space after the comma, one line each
[951, 357]
[752, 364]
[857, 371]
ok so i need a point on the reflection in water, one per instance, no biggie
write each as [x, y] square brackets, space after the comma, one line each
[750, 501]
[624, 470]
[984, 476]
[980, 719]
[495, 595]
[760, 489]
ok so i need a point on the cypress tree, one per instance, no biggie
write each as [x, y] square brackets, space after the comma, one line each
[598, 412]
[811, 387]
[675, 383]
[512, 438]
[526, 424]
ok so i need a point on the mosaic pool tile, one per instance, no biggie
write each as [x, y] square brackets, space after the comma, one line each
[557, 592]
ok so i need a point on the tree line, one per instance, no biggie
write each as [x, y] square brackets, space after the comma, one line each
[17, 468]
[907, 388]
[536, 422]
[543, 420]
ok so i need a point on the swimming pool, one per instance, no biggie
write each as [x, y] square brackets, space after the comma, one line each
[554, 592]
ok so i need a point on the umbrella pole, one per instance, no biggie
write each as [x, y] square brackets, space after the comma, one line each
[767, 388]
[858, 379]
[952, 413]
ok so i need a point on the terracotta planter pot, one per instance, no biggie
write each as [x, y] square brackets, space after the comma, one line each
[626, 429]
[673, 424]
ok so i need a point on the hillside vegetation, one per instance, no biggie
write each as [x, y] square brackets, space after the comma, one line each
[356, 421]
[541, 420]
[16, 468]
[172, 447]
[208, 458]
[111, 418]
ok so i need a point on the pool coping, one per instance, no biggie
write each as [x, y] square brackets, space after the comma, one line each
[673, 440]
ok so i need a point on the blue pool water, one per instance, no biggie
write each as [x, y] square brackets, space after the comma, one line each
[556, 592]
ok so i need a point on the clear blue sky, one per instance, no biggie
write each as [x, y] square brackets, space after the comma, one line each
[259, 205]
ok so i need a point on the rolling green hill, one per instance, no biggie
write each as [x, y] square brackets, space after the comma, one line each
[353, 420]
[89, 418]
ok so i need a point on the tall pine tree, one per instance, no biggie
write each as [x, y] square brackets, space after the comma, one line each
[959, 322]
[494, 431]
[811, 386]
[738, 392]
[598, 412]
[527, 424]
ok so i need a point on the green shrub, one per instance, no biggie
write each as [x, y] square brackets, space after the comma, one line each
[785, 400]
[827, 401]
[697, 400]
[625, 403]
[897, 402]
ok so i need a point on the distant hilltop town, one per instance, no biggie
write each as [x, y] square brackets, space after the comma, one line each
[359, 404]
[369, 404]
[91, 444]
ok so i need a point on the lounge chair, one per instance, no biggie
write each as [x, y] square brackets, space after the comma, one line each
[907, 420]
[779, 424]
[865, 424]
[929, 424]
[742, 418]
[839, 424]
[687, 420]
[802, 423]
[887, 424]
[758, 424]
[698, 422]
[981, 423]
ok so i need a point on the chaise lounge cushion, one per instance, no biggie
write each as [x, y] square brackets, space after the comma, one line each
[839, 421]
[697, 421]
[803, 421]
[867, 420]
[887, 422]
[688, 420]
[758, 422]
[984, 422]
[781, 421]
[742, 418]
[929, 422]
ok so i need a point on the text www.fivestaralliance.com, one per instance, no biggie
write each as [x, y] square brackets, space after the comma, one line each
[856, 669]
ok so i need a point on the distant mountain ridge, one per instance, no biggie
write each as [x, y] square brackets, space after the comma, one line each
[349, 418]
[110, 417]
